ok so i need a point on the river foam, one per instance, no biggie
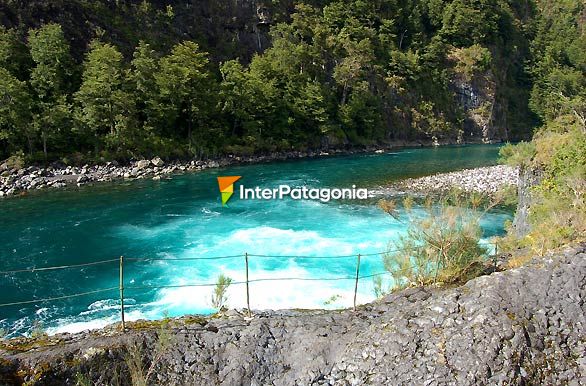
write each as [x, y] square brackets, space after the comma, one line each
[178, 221]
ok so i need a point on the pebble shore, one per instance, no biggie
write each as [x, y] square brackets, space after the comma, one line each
[487, 180]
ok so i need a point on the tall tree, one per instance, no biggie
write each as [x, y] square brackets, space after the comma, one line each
[14, 54]
[104, 104]
[249, 101]
[142, 76]
[560, 66]
[49, 80]
[185, 86]
[15, 114]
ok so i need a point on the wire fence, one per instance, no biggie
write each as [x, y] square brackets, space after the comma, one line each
[122, 287]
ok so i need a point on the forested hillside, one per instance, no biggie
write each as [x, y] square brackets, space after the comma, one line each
[556, 158]
[122, 79]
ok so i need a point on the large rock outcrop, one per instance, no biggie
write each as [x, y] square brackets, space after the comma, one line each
[523, 326]
[529, 178]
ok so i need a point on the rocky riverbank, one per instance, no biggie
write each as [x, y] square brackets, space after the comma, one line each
[487, 180]
[20, 180]
[15, 181]
[525, 326]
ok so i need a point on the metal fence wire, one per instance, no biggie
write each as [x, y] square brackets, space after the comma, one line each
[122, 261]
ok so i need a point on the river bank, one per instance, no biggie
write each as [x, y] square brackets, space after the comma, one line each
[16, 181]
[512, 327]
[486, 180]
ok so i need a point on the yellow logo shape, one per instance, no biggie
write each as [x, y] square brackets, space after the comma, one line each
[226, 185]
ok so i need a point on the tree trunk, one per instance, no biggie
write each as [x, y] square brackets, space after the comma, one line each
[30, 144]
[344, 94]
[402, 37]
[112, 119]
[189, 132]
[44, 135]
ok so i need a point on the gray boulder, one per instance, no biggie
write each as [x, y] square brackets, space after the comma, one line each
[158, 162]
[143, 164]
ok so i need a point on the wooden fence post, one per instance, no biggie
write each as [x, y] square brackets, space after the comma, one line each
[496, 253]
[122, 292]
[247, 286]
[356, 282]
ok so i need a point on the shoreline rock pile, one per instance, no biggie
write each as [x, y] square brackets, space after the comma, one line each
[14, 181]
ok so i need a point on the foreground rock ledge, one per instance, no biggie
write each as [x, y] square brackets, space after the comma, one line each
[523, 326]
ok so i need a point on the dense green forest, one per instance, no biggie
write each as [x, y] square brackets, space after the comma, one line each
[557, 153]
[122, 79]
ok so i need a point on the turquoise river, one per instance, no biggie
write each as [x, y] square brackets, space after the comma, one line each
[174, 222]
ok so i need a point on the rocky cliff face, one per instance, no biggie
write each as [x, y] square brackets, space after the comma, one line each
[226, 29]
[524, 326]
[486, 103]
[528, 179]
[476, 97]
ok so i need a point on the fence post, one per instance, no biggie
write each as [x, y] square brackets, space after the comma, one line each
[356, 282]
[122, 292]
[247, 286]
[496, 253]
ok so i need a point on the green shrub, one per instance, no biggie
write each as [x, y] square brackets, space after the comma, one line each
[471, 60]
[558, 211]
[16, 161]
[380, 287]
[219, 297]
[38, 330]
[139, 368]
[82, 380]
[441, 244]
[517, 155]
